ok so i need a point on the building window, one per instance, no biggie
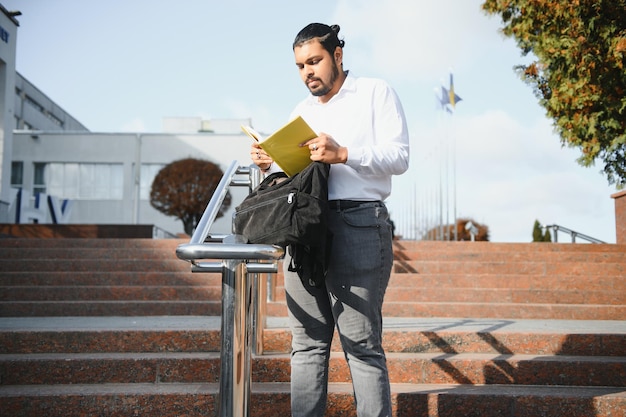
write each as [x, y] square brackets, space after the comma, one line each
[34, 103]
[81, 181]
[17, 174]
[148, 172]
[101, 181]
[39, 181]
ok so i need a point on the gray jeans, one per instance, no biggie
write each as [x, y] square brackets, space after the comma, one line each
[352, 300]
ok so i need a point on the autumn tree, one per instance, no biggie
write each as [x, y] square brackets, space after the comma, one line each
[578, 73]
[463, 229]
[183, 189]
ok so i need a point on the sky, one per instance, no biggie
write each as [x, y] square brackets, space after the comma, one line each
[124, 65]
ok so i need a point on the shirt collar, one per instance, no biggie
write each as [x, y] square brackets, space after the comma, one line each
[349, 84]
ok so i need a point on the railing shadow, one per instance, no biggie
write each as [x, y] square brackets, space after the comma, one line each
[487, 398]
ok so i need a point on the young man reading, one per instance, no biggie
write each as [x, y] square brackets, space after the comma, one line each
[363, 136]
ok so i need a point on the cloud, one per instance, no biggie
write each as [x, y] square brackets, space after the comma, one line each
[412, 39]
[507, 176]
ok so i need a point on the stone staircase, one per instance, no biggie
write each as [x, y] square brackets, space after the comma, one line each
[121, 327]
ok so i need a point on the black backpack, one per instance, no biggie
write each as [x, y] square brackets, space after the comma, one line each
[291, 212]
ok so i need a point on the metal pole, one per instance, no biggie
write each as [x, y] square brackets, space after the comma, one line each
[235, 376]
[259, 284]
[137, 180]
[259, 303]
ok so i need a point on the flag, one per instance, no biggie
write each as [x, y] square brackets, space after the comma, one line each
[448, 96]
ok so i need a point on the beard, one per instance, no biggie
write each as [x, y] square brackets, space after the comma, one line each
[324, 88]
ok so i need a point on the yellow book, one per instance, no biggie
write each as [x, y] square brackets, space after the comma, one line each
[283, 145]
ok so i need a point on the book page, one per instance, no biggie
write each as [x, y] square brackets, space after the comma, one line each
[248, 130]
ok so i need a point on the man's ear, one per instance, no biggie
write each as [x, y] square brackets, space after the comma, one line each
[338, 55]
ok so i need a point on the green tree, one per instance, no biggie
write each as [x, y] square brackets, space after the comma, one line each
[578, 74]
[539, 235]
[547, 237]
[184, 188]
[537, 232]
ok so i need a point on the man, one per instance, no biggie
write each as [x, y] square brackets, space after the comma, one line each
[363, 135]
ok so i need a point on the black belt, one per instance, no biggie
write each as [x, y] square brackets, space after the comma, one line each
[347, 204]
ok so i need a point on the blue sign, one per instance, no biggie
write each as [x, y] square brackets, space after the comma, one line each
[4, 35]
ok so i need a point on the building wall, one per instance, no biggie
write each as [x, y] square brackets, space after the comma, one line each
[620, 217]
[128, 149]
[8, 41]
[36, 111]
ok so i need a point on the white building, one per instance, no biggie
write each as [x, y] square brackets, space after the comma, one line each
[45, 150]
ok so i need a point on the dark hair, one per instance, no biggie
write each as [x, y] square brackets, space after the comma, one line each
[327, 36]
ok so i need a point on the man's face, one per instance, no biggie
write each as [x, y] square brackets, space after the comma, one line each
[318, 69]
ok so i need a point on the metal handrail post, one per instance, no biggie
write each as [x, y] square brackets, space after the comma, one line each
[259, 290]
[235, 356]
[240, 265]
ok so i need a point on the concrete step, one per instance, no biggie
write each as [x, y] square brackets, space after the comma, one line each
[272, 399]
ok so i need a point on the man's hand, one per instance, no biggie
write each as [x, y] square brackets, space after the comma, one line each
[325, 149]
[259, 157]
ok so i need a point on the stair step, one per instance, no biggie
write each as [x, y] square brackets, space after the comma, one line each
[84, 243]
[22, 335]
[562, 282]
[547, 268]
[62, 253]
[109, 308]
[497, 295]
[390, 309]
[394, 294]
[74, 278]
[452, 254]
[85, 265]
[110, 334]
[505, 310]
[111, 293]
[491, 247]
[415, 368]
[272, 399]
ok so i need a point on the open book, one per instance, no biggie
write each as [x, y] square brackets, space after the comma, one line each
[283, 145]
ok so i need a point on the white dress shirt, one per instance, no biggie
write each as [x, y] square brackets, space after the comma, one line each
[366, 117]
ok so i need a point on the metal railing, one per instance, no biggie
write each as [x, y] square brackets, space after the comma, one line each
[240, 264]
[556, 229]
